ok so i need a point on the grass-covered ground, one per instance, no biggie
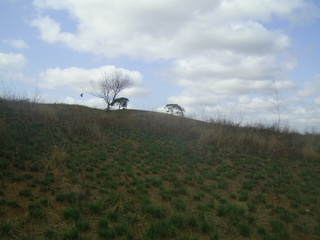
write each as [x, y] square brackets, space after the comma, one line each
[71, 172]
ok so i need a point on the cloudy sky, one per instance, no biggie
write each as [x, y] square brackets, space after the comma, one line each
[213, 57]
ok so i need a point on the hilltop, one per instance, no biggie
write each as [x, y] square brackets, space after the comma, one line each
[73, 172]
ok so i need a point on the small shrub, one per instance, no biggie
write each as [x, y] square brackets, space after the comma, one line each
[37, 211]
[35, 166]
[248, 185]
[82, 225]
[180, 205]
[96, 207]
[71, 234]
[284, 214]
[192, 221]
[233, 196]
[223, 183]
[162, 229]
[156, 182]
[71, 213]
[103, 223]
[71, 197]
[234, 212]
[276, 226]
[206, 227]
[13, 204]
[25, 193]
[260, 198]
[6, 228]
[245, 229]
[4, 164]
[50, 233]
[166, 194]
[251, 206]
[155, 211]
[262, 230]
[243, 196]
[198, 196]
[177, 220]
[113, 215]
[180, 191]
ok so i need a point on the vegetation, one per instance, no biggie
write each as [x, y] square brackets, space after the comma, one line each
[73, 172]
[121, 102]
[109, 87]
[175, 109]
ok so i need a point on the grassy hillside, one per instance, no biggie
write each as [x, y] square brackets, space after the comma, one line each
[72, 172]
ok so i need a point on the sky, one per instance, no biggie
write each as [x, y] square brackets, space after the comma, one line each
[234, 59]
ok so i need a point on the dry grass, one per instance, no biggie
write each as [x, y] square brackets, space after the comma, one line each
[218, 135]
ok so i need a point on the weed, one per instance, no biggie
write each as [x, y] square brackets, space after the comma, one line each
[113, 215]
[4, 164]
[233, 196]
[181, 190]
[177, 220]
[166, 194]
[71, 234]
[276, 226]
[6, 228]
[103, 223]
[161, 229]
[223, 183]
[35, 166]
[252, 206]
[301, 227]
[83, 225]
[248, 185]
[234, 212]
[13, 204]
[50, 233]
[261, 230]
[243, 196]
[25, 193]
[71, 197]
[36, 210]
[96, 207]
[71, 213]
[192, 221]
[260, 198]
[180, 205]
[245, 229]
[206, 227]
[154, 211]
[198, 196]
[284, 215]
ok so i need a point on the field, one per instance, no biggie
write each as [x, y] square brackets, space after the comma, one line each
[72, 172]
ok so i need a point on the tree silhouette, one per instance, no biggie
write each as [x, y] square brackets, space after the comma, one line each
[121, 102]
[175, 109]
[110, 85]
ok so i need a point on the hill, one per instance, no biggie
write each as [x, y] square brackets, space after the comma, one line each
[73, 172]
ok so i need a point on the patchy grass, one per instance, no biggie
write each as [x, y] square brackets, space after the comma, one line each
[73, 172]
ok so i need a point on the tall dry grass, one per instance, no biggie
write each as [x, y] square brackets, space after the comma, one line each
[260, 139]
[217, 135]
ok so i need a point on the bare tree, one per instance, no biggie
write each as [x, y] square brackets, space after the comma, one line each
[110, 85]
[279, 106]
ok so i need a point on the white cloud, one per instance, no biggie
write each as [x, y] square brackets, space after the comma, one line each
[17, 43]
[12, 60]
[91, 102]
[160, 29]
[79, 79]
[311, 88]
